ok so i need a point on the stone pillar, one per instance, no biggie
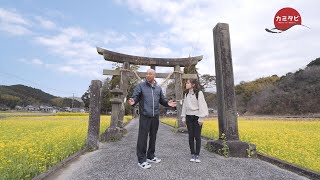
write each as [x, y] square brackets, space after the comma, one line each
[227, 110]
[124, 87]
[113, 133]
[94, 115]
[136, 111]
[179, 94]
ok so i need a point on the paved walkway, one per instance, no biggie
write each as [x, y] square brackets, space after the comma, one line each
[117, 160]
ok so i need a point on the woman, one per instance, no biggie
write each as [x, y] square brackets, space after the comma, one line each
[194, 109]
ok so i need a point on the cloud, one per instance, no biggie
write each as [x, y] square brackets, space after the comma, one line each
[67, 46]
[53, 41]
[22, 60]
[185, 30]
[47, 24]
[67, 69]
[148, 51]
[14, 29]
[111, 37]
[12, 17]
[37, 61]
[74, 32]
[160, 51]
[255, 52]
[55, 14]
[34, 61]
[13, 23]
[76, 49]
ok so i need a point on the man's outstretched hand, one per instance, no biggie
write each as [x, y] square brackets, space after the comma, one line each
[131, 101]
[172, 104]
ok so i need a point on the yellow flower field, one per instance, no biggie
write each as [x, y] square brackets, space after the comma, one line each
[292, 141]
[31, 145]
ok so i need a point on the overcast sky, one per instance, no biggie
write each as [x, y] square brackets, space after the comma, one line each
[51, 45]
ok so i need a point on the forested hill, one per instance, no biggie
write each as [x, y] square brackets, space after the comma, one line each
[22, 95]
[294, 93]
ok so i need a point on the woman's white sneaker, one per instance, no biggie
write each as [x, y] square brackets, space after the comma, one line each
[144, 165]
[193, 158]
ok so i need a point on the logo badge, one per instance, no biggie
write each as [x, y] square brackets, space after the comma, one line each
[284, 19]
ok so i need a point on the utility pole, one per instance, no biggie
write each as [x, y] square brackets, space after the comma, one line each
[72, 100]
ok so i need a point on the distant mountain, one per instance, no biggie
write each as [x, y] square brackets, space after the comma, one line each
[293, 94]
[22, 95]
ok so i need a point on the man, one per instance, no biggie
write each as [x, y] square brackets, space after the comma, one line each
[150, 96]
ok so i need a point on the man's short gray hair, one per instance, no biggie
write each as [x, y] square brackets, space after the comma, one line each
[151, 71]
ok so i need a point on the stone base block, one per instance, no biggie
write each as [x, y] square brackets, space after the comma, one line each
[123, 131]
[232, 148]
[111, 134]
[120, 124]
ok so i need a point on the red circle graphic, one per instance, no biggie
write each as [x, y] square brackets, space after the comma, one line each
[287, 17]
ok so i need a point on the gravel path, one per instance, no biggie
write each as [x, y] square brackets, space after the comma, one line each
[117, 160]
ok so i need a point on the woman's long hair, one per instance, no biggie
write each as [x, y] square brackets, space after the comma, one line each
[196, 87]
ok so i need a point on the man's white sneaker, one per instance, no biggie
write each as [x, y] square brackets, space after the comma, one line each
[197, 159]
[144, 165]
[154, 160]
[193, 158]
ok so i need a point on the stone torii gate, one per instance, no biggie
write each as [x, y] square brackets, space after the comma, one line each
[228, 142]
[126, 73]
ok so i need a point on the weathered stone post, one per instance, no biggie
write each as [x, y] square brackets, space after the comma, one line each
[136, 111]
[113, 133]
[94, 115]
[179, 94]
[227, 110]
[124, 87]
